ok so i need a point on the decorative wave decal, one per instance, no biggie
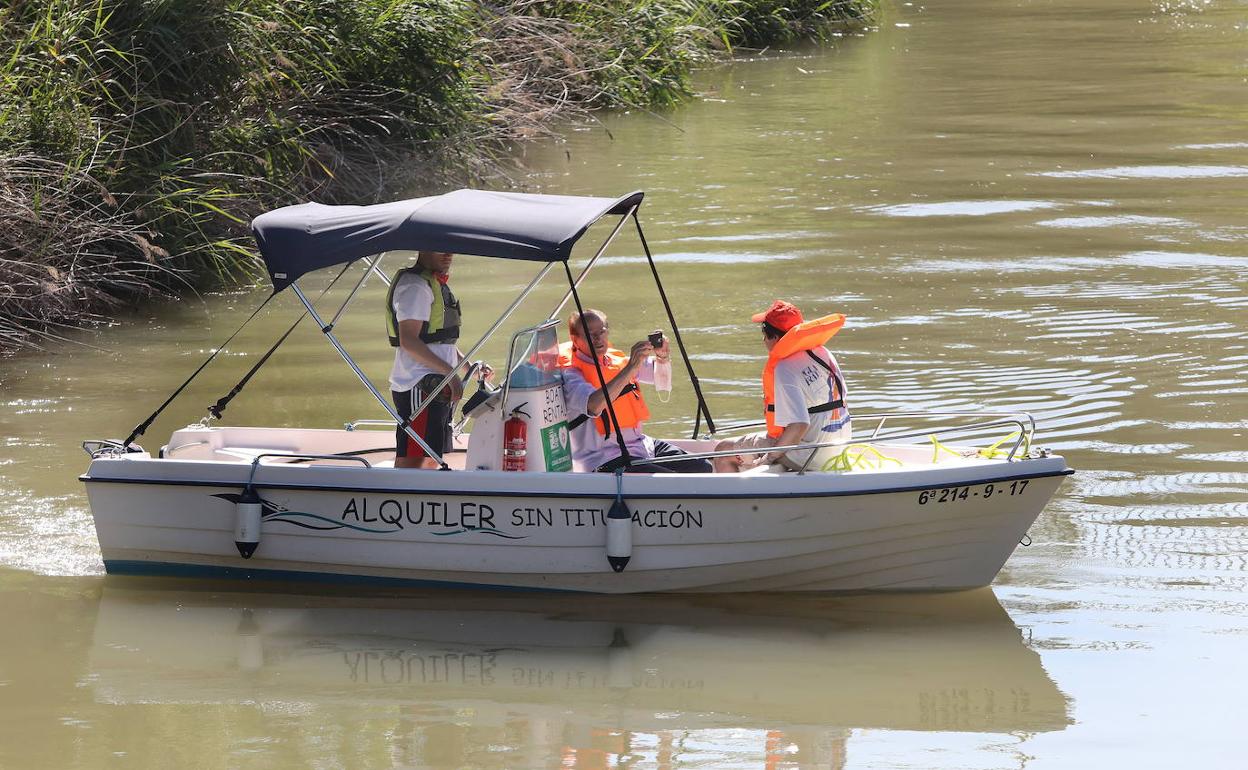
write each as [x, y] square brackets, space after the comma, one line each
[486, 530]
[294, 517]
[272, 512]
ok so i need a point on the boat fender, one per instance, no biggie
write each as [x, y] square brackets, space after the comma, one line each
[248, 512]
[619, 529]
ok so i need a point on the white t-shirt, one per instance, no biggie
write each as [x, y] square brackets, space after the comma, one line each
[800, 384]
[413, 301]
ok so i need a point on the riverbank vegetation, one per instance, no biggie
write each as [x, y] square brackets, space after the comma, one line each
[138, 137]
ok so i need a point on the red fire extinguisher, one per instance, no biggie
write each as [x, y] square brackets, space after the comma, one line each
[515, 440]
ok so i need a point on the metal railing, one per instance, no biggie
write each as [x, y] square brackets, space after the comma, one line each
[368, 423]
[1023, 421]
[255, 462]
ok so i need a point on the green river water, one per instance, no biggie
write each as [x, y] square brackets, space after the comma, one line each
[1025, 204]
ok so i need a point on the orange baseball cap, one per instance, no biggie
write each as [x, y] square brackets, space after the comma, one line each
[782, 315]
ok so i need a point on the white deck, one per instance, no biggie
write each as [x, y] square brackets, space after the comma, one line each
[285, 445]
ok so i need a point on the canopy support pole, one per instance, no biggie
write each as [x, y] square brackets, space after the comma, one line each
[420, 407]
[142, 427]
[371, 266]
[328, 331]
[702, 410]
[625, 459]
[584, 272]
[217, 409]
[384, 278]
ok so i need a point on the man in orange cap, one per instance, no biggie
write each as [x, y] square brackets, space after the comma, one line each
[803, 394]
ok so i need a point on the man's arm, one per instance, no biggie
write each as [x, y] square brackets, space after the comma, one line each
[637, 356]
[790, 406]
[792, 434]
[576, 392]
[410, 341]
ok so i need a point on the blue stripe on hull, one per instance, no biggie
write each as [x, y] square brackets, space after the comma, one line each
[171, 569]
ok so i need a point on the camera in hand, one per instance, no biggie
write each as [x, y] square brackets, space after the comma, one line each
[656, 338]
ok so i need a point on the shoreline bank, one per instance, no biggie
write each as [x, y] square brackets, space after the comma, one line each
[137, 140]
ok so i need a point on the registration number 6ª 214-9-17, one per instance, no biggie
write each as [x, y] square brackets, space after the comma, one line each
[986, 491]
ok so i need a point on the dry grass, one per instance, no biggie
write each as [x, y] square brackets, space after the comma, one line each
[68, 251]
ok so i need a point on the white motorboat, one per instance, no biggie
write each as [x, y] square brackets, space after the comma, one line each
[899, 511]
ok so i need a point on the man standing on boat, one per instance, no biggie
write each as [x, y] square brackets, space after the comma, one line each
[803, 394]
[594, 443]
[423, 325]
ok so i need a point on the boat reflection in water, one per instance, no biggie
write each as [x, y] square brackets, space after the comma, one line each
[550, 678]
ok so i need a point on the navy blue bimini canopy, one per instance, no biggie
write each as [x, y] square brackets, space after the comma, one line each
[299, 239]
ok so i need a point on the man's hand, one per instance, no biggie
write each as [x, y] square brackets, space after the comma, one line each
[663, 352]
[456, 387]
[636, 357]
[760, 458]
[640, 350]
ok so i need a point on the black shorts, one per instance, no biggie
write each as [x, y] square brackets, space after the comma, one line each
[433, 424]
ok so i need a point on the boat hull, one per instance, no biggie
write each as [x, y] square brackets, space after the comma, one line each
[944, 528]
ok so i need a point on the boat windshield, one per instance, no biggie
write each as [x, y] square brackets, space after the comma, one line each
[534, 357]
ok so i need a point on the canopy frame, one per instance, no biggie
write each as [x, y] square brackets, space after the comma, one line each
[625, 207]
[418, 408]
[296, 240]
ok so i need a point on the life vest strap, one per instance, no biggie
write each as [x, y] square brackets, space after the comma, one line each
[825, 407]
[581, 419]
[836, 403]
[828, 407]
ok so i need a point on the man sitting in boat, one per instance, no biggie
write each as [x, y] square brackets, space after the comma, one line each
[803, 394]
[594, 444]
[423, 324]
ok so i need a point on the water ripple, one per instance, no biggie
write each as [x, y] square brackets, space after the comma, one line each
[704, 258]
[1192, 483]
[960, 208]
[1214, 146]
[1125, 220]
[1173, 259]
[1150, 172]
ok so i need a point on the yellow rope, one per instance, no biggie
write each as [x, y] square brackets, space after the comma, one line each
[991, 452]
[938, 447]
[856, 457]
[859, 457]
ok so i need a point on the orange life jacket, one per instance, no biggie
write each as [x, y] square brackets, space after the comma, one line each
[804, 337]
[630, 407]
